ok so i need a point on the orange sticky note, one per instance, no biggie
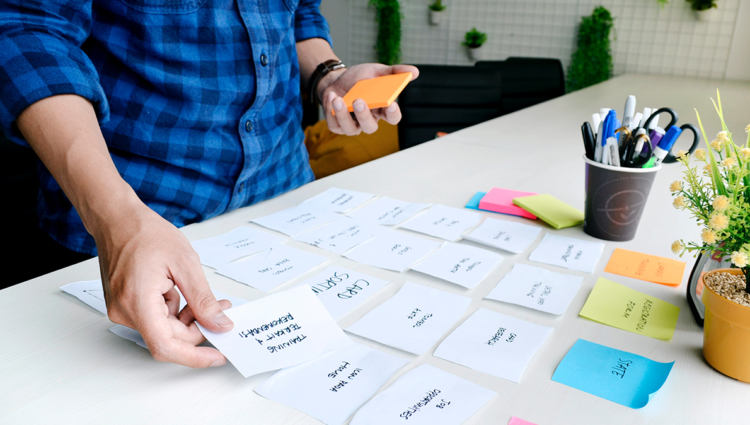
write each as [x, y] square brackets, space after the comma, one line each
[377, 92]
[646, 267]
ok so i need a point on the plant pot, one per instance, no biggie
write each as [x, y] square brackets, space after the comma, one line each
[706, 15]
[475, 53]
[726, 332]
[435, 17]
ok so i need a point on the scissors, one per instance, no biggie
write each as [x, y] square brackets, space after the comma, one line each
[630, 159]
[674, 117]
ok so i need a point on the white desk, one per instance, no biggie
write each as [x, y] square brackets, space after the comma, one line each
[60, 364]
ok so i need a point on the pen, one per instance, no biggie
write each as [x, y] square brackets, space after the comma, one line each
[598, 144]
[655, 135]
[666, 144]
[595, 120]
[639, 141]
[636, 121]
[627, 114]
[646, 114]
[612, 152]
[588, 140]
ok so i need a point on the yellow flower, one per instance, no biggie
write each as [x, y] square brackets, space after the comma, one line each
[679, 202]
[677, 247]
[676, 186]
[739, 259]
[681, 155]
[722, 136]
[708, 236]
[745, 152]
[729, 162]
[721, 203]
[747, 129]
[707, 169]
[718, 222]
[700, 154]
[717, 145]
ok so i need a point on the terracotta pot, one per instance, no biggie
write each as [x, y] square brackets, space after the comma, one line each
[726, 332]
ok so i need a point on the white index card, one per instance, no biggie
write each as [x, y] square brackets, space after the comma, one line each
[387, 211]
[494, 343]
[296, 220]
[338, 200]
[272, 267]
[425, 395]
[281, 330]
[570, 253]
[342, 290]
[341, 235]
[505, 235]
[537, 288]
[90, 292]
[444, 222]
[413, 320]
[331, 388]
[240, 242]
[392, 251]
[460, 264]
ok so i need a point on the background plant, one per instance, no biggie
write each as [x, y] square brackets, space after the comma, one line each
[592, 60]
[437, 6]
[388, 17]
[474, 38]
[699, 5]
[717, 196]
[662, 3]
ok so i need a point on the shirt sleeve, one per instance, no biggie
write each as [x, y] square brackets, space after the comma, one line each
[41, 56]
[309, 23]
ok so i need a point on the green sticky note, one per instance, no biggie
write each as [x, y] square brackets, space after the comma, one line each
[555, 212]
[621, 307]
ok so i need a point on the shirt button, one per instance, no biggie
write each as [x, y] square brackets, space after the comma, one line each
[248, 126]
[263, 60]
[241, 188]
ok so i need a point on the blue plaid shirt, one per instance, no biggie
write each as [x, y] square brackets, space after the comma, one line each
[198, 100]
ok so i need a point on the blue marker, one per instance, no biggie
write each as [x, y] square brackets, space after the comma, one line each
[666, 144]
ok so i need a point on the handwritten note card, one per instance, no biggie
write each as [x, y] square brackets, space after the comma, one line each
[392, 251]
[413, 320]
[425, 395]
[460, 264]
[646, 267]
[342, 290]
[240, 242]
[90, 292]
[619, 376]
[338, 200]
[278, 331]
[341, 235]
[627, 309]
[570, 253]
[494, 343]
[387, 211]
[537, 288]
[272, 267]
[331, 388]
[296, 220]
[443, 222]
[505, 235]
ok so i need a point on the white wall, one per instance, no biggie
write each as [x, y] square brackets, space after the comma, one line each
[646, 38]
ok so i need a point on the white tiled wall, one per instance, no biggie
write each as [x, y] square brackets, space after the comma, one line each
[646, 39]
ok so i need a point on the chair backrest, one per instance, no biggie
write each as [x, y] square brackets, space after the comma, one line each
[528, 81]
[448, 98]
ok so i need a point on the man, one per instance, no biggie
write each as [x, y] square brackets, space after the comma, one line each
[152, 114]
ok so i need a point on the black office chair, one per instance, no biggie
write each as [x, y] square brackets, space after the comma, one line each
[528, 81]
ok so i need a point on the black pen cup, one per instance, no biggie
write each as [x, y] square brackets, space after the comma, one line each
[615, 199]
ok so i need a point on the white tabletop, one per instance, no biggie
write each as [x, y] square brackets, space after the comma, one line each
[60, 364]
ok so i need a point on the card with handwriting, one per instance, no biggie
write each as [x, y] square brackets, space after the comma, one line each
[460, 264]
[505, 235]
[339, 200]
[413, 320]
[341, 235]
[295, 220]
[425, 395]
[393, 251]
[494, 343]
[342, 290]
[615, 375]
[272, 267]
[238, 243]
[331, 388]
[387, 211]
[621, 307]
[570, 253]
[443, 222]
[281, 330]
[537, 288]
[646, 267]
[90, 292]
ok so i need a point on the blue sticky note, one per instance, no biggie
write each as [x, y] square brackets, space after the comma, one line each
[615, 375]
[474, 202]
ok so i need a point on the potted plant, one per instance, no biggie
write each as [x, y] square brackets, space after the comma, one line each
[436, 11]
[474, 40]
[388, 44]
[704, 10]
[716, 191]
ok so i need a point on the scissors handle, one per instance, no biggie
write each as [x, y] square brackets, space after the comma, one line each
[696, 140]
[670, 111]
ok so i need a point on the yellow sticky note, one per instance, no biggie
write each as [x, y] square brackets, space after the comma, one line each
[646, 267]
[555, 212]
[621, 307]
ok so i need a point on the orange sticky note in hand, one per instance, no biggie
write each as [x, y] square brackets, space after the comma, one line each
[646, 267]
[377, 92]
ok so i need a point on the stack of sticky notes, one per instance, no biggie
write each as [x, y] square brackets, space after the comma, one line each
[553, 211]
[501, 200]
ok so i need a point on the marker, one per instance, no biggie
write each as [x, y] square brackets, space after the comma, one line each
[640, 141]
[603, 112]
[636, 121]
[613, 152]
[656, 135]
[598, 148]
[666, 144]
[654, 122]
[646, 115]
[627, 115]
[595, 120]
[588, 140]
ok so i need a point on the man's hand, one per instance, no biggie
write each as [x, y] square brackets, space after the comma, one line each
[335, 85]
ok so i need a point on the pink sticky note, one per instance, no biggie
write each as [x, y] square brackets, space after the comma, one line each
[517, 421]
[501, 200]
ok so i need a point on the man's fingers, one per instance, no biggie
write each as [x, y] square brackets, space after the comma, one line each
[345, 120]
[393, 114]
[172, 298]
[367, 122]
[333, 123]
[401, 69]
[185, 353]
[192, 282]
[187, 317]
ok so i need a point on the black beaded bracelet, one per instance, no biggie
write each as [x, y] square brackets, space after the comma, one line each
[321, 71]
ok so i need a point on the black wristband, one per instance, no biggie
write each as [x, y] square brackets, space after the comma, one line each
[321, 71]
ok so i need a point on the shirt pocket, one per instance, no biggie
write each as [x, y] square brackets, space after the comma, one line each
[167, 7]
